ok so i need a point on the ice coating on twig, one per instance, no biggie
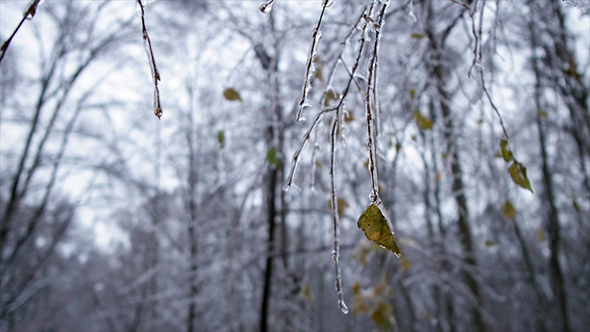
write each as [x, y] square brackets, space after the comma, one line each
[27, 15]
[266, 7]
[335, 218]
[140, 7]
[309, 72]
[310, 66]
[297, 155]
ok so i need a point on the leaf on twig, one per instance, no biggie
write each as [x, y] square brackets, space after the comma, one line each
[506, 153]
[519, 176]
[375, 226]
[231, 94]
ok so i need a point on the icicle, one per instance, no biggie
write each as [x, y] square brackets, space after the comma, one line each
[265, 8]
[335, 218]
[157, 106]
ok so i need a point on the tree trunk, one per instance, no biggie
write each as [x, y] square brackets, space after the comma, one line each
[469, 259]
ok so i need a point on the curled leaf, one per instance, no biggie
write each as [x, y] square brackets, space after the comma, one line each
[518, 175]
[375, 225]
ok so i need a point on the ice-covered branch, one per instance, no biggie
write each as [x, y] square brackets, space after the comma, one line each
[310, 66]
[27, 15]
[150, 54]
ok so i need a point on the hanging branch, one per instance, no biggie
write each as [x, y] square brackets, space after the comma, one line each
[319, 115]
[374, 221]
[310, 67]
[150, 54]
[369, 104]
[27, 15]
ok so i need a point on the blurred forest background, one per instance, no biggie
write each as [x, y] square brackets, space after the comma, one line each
[113, 220]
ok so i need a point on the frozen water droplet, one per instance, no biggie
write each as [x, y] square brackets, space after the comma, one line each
[343, 307]
[32, 8]
[266, 7]
[157, 106]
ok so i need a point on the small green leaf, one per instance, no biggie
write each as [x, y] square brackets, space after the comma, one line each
[413, 94]
[422, 122]
[508, 210]
[490, 243]
[518, 175]
[374, 225]
[272, 157]
[221, 139]
[417, 36]
[398, 146]
[506, 153]
[231, 94]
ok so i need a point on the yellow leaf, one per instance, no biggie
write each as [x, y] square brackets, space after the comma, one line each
[406, 264]
[509, 210]
[422, 122]
[318, 74]
[417, 36]
[382, 315]
[307, 292]
[342, 206]
[231, 94]
[542, 113]
[374, 225]
[541, 235]
[331, 95]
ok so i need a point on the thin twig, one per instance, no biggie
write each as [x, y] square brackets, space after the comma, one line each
[310, 68]
[150, 54]
[29, 14]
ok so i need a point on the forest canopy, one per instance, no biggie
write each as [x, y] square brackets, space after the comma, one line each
[421, 164]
